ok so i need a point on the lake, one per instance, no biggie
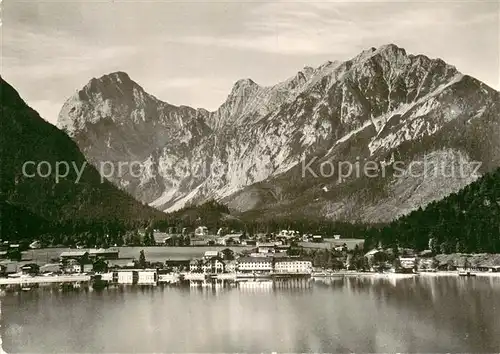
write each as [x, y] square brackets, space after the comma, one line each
[420, 314]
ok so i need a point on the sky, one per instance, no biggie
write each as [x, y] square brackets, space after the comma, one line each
[192, 52]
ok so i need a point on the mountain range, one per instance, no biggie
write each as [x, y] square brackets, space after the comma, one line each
[383, 106]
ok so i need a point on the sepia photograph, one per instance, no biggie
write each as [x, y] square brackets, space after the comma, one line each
[224, 176]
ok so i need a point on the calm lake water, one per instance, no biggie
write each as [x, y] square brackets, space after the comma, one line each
[422, 314]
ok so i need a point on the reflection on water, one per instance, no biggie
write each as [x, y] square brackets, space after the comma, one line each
[421, 314]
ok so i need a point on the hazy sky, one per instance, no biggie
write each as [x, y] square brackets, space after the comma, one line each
[192, 52]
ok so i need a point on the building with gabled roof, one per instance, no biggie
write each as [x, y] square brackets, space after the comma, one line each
[73, 254]
[213, 265]
[201, 231]
[105, 253]
[211, 253]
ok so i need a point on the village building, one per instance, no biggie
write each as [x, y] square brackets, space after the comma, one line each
[200, 242]
[35, 244]
[372, 253]
[229, 239]
[147, 277]
[213, 265]
[255, 265]
[211, 254]
[161, 238]
[341, 248]
[288, 233]
[121, 263]
[135, 276]
[281, 248]
[31, 269]
[195, 265]
[293, 266]
[75, 255]
[104, 253]
[317, 238]
[201, 231]
[494, 269]
[425, 263]
[257, 254]
[249, 242]
[178, 263]
[72, 266]
[124, 277]
[265, 247]
[407, 264]
[90, 254]
[50, 268]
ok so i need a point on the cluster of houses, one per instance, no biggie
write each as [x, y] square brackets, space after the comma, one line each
[81, 261]
[223, 237]
[200, 237]
[424, 261]
[265, 259]
[70, 262]
[268, 258]
[264, 262]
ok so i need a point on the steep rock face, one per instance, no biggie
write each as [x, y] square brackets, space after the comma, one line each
[115, 121]
[77, 193]
[250, 151]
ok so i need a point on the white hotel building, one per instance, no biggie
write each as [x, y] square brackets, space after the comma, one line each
[255, 265]
[274, 265]
[135, 276]
[292, 266]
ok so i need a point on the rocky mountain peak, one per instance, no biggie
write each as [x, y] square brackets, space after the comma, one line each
[243, 87]
[389, 52]
[116, 85]
[307, 70]
[390, 47]
[117, 77]
[114, 96]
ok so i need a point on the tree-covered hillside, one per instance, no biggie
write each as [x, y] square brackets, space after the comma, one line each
[467, 221]
[28, 198]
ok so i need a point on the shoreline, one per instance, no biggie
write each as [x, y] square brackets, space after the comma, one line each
[455, 273]
[405, 275]
[234, 276]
